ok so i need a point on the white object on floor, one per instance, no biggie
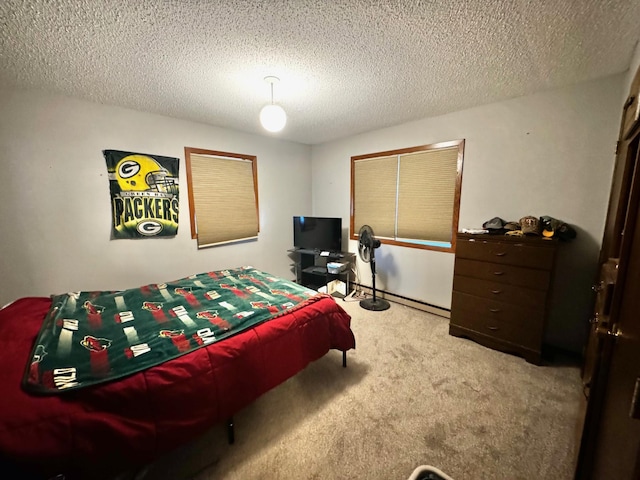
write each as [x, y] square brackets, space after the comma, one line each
[423, 471]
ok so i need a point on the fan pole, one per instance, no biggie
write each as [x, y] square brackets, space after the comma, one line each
[376, 304]
[373, 275]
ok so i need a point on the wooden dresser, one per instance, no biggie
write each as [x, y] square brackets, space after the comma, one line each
[501, 290]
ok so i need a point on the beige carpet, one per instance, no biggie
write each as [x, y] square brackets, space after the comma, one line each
[411, 395]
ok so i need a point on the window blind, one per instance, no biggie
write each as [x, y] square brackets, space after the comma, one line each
[224, 197]
[426, 192]
[375, 184]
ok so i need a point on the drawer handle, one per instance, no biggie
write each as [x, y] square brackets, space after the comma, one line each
[496, 292]
[501, 254]
[493, 328]
[494, 310]
[498, 273]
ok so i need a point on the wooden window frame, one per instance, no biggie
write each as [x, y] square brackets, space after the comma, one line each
[457, 193]
[188, 151]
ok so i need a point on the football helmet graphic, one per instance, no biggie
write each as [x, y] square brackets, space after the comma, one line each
[140, 173]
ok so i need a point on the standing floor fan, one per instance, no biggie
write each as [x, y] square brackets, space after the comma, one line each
[367, 244]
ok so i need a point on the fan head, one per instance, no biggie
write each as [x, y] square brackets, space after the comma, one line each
[366, 243]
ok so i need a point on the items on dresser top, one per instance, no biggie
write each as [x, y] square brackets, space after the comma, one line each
[528, 225]
[501, 291]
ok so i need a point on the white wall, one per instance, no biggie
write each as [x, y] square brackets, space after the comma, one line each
[55, 204]
[545, 154]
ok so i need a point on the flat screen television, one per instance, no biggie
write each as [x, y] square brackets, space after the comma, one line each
[318, 233]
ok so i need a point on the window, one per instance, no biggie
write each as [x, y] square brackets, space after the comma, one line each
[223, 196]
[409, 197]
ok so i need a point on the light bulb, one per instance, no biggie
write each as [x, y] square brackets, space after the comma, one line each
[273, 118]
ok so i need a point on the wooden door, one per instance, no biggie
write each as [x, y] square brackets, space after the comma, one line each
[619, 201]
[611, 436]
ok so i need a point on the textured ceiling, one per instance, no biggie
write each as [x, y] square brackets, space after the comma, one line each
[346, 66]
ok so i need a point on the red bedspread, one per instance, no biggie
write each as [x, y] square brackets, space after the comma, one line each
[131, 421]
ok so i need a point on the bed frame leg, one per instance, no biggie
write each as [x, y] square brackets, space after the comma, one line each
[344, 359]
[231, 437]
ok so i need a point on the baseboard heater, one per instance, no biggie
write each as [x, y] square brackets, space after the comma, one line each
[409, 302]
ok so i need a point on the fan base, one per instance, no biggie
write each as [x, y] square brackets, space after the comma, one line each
[377, 305]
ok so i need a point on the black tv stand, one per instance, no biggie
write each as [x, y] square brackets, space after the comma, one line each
[310, 266]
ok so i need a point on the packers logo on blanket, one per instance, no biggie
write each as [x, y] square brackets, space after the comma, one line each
[144, 194]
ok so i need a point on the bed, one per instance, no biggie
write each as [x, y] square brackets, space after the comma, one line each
[87, 428]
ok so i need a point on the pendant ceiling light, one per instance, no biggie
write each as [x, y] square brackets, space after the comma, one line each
[272, 116]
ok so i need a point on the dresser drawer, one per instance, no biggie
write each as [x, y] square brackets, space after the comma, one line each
[506, 252]
[496, 272]
[498, 330]
[520, 326]
[502, 292]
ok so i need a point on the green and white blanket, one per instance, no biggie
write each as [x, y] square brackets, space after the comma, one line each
[89, 338]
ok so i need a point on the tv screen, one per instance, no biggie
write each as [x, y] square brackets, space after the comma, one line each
[318, 233]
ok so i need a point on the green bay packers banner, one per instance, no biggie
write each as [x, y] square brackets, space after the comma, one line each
[144, 194]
